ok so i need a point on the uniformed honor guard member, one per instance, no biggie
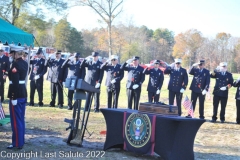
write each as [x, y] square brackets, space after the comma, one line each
[237, 97]
[135, 79]
[73, 64]
[4, 68]
[36, 77]
[94, 77]
[56, 75]
[155, 82]
[224, 81]
[200, 85]
[113, 79]
[17, 93]
[177, 83]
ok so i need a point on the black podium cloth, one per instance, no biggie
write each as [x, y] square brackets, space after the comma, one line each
[174, 136]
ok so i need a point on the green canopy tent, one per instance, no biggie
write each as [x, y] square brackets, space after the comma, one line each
[11, 34]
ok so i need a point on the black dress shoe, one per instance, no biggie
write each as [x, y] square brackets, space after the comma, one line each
[51, 105]
[13, 147]
[60, 106]
[188, 116]
[96, 110]
[40, 104]
[213, 121]
[31, 104]
[70, 107]
[222, 121]
[238, 122]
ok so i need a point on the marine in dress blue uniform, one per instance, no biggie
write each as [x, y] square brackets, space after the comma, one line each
[135, 78]
[17, 93]
[36, 77]
[94, 77]
[113, 80]
[177, 83]
[73, 64]
[200, 85]
[4, 68]
[56, 75]
[237, 97]
[224, 81]
[155, 82]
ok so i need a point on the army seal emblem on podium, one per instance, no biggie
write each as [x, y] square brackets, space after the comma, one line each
[138, 129]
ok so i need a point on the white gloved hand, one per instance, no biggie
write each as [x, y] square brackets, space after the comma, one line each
[238, 79]
[113, 81]
[71, 58]
[97, 85]
[148, 65]
[135, 86]
[223, 88]
[36, 77]
[158, 91]
[52, 56]
[172, 65]
[129, 61]
[182, 90]
[63, 84]
[195, 65]
[14, 102]
[204, 92]
[10, 59]
[89, 59]
[109, 61]
[218, 69]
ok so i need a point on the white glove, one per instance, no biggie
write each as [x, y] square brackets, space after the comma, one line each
[223, 88]
[135, 86]
[109, 61]
[195, 65]
[172, 65]
[148, 65]
[204, 92]
[182, 90]
[14, 102]
[129, 61]
[238, 79]
[218, 69]
[89, 59]
[63, 84]
[52, 56]
[36, 77]
[113, 81]
[71, 58]
[158, 91]
[10, 59]
[97, 85]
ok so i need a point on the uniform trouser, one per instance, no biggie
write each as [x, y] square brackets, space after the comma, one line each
[70, 97]
[201, 97]
[238, 111]
[216, 100]
[153, 96]
[96, 100]
[178, 96]
[38, 84]
[56, 88]
[2, 89]
[133, 94]
[112, 94]
[17, 114]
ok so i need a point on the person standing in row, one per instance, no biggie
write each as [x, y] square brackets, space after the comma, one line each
[237, 97]
[36, 77]
[113, 79]
[224, 81]
[4, 68]
[73, 63]
[56, 75]
[17, 94]
[177, 83]
[135, 79]
[155, 82]
[93, 77]
[200, 85]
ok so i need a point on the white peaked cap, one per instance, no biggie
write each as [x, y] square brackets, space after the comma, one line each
[114, 57]
[223, 64]
[178, 60]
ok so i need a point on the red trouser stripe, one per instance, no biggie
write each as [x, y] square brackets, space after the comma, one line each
[15, 125]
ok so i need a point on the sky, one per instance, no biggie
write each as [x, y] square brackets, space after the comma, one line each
[208, 16]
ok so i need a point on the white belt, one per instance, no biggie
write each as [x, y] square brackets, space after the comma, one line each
[20, 82]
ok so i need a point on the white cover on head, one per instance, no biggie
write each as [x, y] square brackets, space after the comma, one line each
[178, 60]
[223, 64]
[114, 57]
[16, 48]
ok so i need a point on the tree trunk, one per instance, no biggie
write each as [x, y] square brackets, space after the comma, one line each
[110, 39]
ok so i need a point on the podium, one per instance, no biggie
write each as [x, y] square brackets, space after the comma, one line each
[78, 124]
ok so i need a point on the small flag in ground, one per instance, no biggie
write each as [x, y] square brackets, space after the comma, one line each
[2, 114]
[187, 104]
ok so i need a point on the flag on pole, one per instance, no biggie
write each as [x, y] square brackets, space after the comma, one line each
[187, 104]
[2, 114]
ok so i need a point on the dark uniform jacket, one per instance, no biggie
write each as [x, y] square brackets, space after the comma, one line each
[56, 72]
[17, 72]
[113, 73]
[94, 73]
[74, 69]
[135, 75]
[221, 81]
[156, 78]
[201, 79]
[4, 66]
[38, 68]
[178, 79]
[237, 84]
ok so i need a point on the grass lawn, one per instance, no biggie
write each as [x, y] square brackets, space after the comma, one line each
[45, 128]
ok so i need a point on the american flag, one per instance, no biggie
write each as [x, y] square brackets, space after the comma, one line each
[187, 104]
[2, 114]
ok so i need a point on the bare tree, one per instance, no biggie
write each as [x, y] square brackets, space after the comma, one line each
[108, 10]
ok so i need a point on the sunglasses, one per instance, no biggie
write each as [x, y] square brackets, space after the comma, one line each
[113, 60]
[178, 63]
